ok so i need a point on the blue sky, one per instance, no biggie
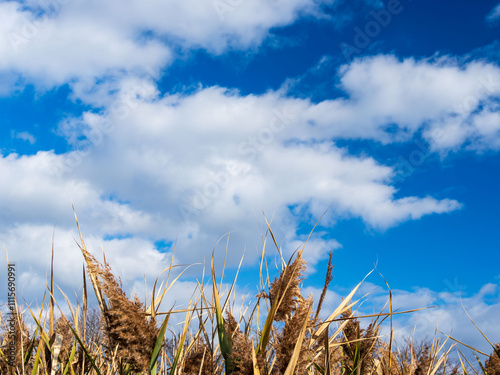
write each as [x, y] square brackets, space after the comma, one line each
[165, 123]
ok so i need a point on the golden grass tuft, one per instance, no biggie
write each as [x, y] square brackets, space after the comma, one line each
[122, 337]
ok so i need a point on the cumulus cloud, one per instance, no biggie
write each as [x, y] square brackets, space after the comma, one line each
[58, 48]
[194, 166]
[452, 103]
[399, 98]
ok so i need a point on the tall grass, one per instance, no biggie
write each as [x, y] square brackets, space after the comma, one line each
[282, 333]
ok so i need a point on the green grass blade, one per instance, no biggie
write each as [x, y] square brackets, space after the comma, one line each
[87, 354]
[158, 345]
[71, 357]
[37, 359]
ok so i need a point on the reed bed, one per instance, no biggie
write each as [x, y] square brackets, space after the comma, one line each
[282, 333]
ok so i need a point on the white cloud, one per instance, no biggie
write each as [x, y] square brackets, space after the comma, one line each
[494, 15]
[55, 42]
[195, 167]
[412, 95]
[63, 48]
[387, 99]
[42, 197]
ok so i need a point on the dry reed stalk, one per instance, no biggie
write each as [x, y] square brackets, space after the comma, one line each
[127, 326]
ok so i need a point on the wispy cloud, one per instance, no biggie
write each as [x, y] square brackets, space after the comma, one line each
[494, 15]
[25, 136]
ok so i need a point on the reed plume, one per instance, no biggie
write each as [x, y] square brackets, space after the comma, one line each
[199, 361]
[286, 288]
[492, 364]
[126, 327]
[241, 347]
[286, 340]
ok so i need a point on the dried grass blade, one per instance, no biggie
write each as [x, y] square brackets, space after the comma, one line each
[339, 309]
[181, 343]
[464, 344]
[51, 312]
[256, 370]
[475, 325]
[283, 263]
[442, 359]
[90, 267]
[464, 370]
[159, 298]
[464, 357]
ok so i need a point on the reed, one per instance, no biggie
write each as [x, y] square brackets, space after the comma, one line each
[282, 333]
